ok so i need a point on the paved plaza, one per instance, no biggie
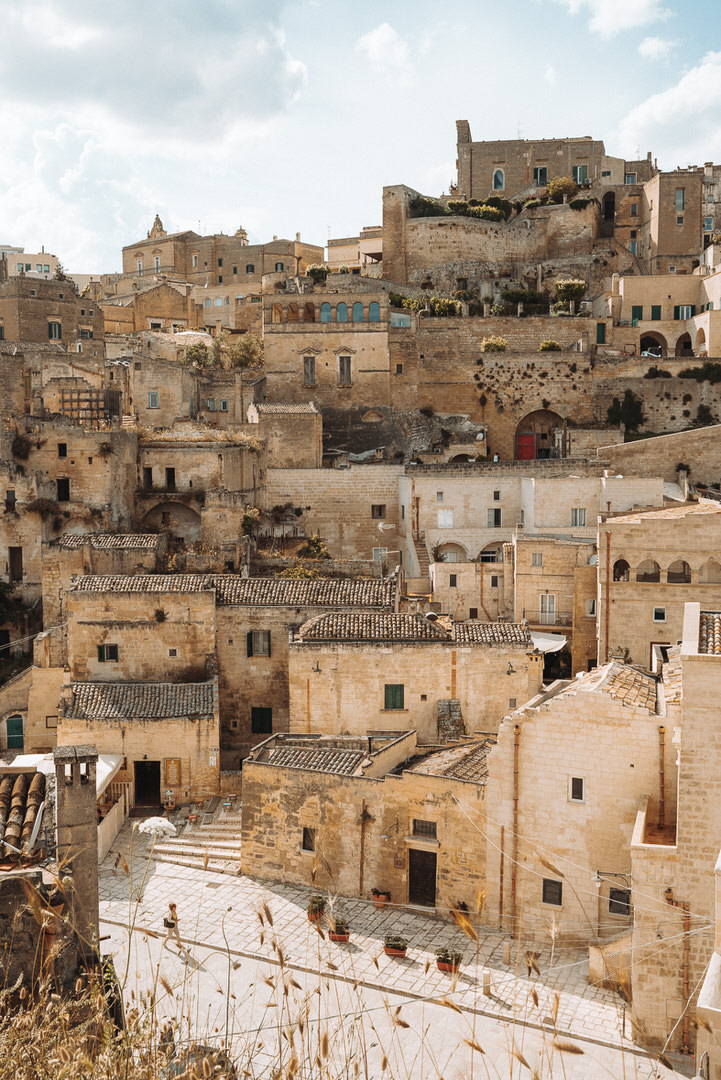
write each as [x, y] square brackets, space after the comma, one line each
[234, 960]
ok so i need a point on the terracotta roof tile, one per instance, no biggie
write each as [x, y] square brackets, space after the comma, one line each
[108, 540]
[468, 763]
[370, 626]
[233, 589]
[139, 701]
[21, 795]
[709, 640]
[492, 633]
[622, 682]
[344, 762]
[268, 407]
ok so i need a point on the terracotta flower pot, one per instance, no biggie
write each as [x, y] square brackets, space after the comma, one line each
[446, 965]
[400, 953]
[381, 899]
[315, 916]
[342, 939]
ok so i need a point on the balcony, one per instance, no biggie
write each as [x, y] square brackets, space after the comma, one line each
[548, 618]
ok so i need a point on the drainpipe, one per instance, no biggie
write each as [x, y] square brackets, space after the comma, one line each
[362, 847]
[685, 1048]
[514, 864]
[608, 585]
[500, 881]
[661, 777]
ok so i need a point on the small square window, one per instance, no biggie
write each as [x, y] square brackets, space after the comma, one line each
[378, 510]
[576, 789]
[512, 703]
[425, 828]
[496, 496]
[552, 892]
[659, 614]
[536, 558]
[494, 581]
[308, 842]
[51, 722]
[172, 653]
[473, 613]
[259, 643]
[453, 581]
[107, 653]
[393, 696]
[619, 901]
[578, 515]
[679, 219]
[399, 369]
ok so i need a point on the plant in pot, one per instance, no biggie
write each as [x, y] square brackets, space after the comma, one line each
[448, 959]
[339, 930]
[316, 907]
[381, 897]
[395, 945]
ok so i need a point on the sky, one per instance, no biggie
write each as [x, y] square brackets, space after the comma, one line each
[288, 116]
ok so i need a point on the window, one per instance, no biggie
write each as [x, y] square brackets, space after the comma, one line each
[453, 581]
[341, 312]
[258, 643]
[576, 789]
[512, 703]
[46, 268]
[235, 270]
[636, 313]
[684, 311]
[62, 449]
[172, 653]
[540, 176]
[357, 312]
[220, 282]
[445, 519]
[428, 829]
[399, 367]
[220, 263]
[659, 614]
[393, 698]
[378, 510]
[679, 219]
[344, 371]
[55, 331]
[170, 479]
[629, 178]
[325, 312]
[153, 399]
[308, 371]
[494, 581]
[156, 262]
[261, 720]
[308, 841]
[380, 554]
[680, 198]
[591, 608]
[38, 268]
[63, 487]
[672, 269]
[547, 609]
[194, 261]
[634, 209]
[707, 224]
[655, 312]
[634, 247]
[279, 268]
[10, 499]
[15, 563]
[85, 332]
[2, 332]
[473, 613]
[600, 333]
[223, 404]
[552, 892]
[439, 496]
[580, 173]
[250, 268]
[619, 901]
[496, 496]
[536, 558]
[107, 653]
[578, 515]
[494, 517]
[498, 180]
[374, 312]
[139, 266]
[147, 477]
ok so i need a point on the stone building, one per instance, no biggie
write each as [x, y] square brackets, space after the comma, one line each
[351, 673]
[34, 310]
[293, 434]
[21, 263]
[353, 814]
[161, 307]
[361, 254]
[650, 564]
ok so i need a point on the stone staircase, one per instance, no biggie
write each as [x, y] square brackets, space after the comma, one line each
[422, 556]
[206, 844]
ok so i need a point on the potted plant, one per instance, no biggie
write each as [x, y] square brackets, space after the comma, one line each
[339, 930]
[395, 945]
[316, 907]
[448, 960]
[381, 897]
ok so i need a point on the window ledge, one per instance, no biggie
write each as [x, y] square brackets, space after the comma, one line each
[394, 710]
[422, 843]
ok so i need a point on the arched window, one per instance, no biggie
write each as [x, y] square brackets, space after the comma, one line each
[250, 268]
[279, 268]
[207, 302]
[277, 313]
[621, 570]
[678, 573]
[341, 313]
[374, 312]
[710, 573]
[309, 312]
[498, 180]
[357, 312]
[649, 570]
[325, 312]
[293, 313]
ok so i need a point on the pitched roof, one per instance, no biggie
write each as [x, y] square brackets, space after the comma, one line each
[108, 540]
[687, 509]
[344, 762]
[139, 701]
[21, 795]
[624, 683]
[273, 408]
[492, 633]
[265, 591]
[468, 763]
[709, 640]
[370, 626]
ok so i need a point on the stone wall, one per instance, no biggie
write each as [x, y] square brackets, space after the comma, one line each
[699, 449]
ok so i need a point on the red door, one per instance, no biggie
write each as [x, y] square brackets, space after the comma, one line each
[526, 446]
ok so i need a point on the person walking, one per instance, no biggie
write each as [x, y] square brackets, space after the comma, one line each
[170, 922]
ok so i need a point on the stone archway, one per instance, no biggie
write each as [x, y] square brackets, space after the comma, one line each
[533, 434]
[683, 346]
[700, 342]
[175, 518]
[651, 342]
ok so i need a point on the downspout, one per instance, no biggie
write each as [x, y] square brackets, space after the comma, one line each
[500, 881]
[661, 777]
[362, 847]
[685, 1048]
[514, 863]
[608, 585]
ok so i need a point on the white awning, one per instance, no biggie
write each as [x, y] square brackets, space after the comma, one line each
[547, 642]
[106, 768]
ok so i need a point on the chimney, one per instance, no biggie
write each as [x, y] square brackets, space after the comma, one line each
[77, 829]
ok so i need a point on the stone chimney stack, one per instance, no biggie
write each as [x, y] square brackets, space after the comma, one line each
[77, 825]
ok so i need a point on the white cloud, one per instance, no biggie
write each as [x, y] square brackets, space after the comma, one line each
[683, 123]
[550, 75]
[609, 17]
[655, 48]
[386, 51]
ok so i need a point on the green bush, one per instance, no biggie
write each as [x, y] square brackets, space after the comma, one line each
[524, 296]
[710, 371]
[317, 272]
[487, 213]
[396, 299]
[494, 343]
[531, 204]
[579, 204]
[570, 289]
[314, 548]
[421, 206]
[504, 205]
[549, 346]
[441, 306]
[457, 206]
[657, 373]
[704, 416]
[560, 186]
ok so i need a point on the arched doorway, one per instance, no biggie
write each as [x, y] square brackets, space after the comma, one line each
[683, 346]
[533, 434]
[653, 344]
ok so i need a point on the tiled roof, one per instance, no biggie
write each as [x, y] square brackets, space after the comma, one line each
[233, 589]
[277, 407]
[709, 640]
[344, 762]
[492, 633]
[620, 681]
[139, 701]
[370, 626]
[21, 795]
[108, 540]
[468, 763]
[687, 509]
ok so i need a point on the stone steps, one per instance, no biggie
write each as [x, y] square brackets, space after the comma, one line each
[197, 862]
[183, 844]
[214, 846]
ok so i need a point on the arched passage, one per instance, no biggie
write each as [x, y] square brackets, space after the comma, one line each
[683, 346]
[700, 343]
[176, 518]
[450, 553]
[653, 344]
[533, 434]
